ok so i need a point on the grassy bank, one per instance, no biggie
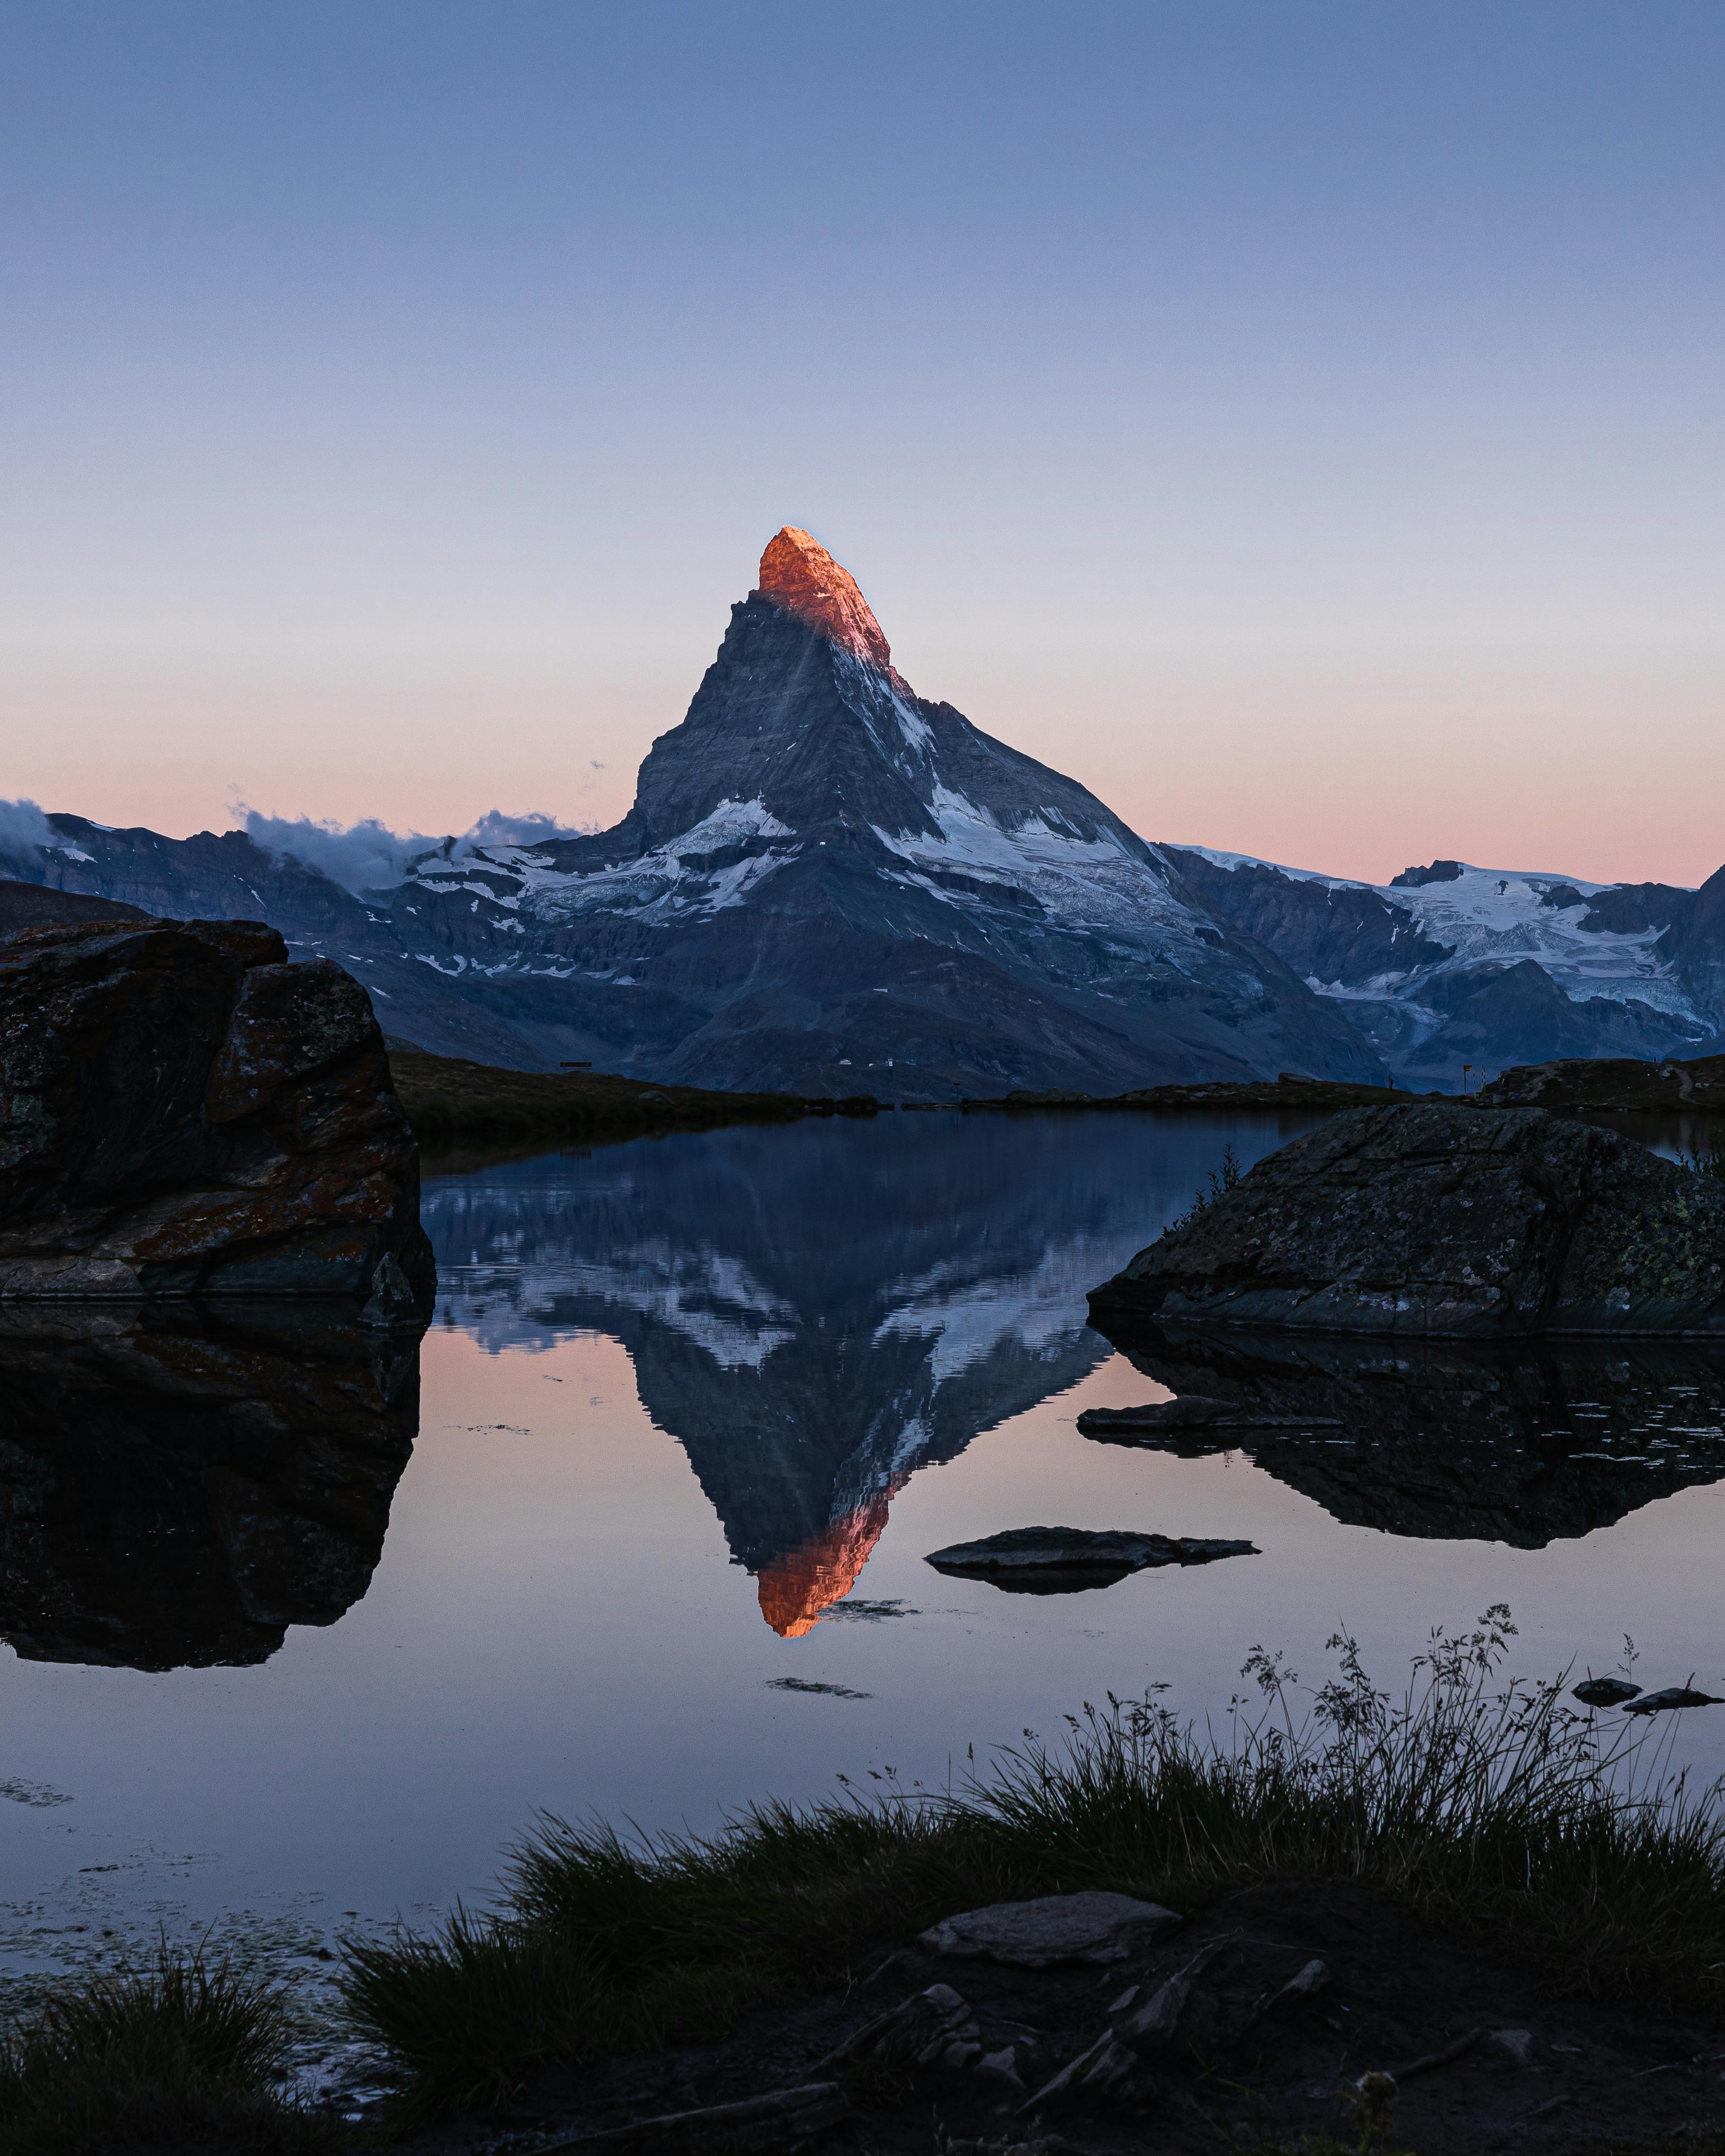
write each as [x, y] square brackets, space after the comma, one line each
[176, 2056]
[449, 1100]
[1494, 1810]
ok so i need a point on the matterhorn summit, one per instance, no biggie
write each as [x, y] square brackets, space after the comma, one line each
[827, 884]
[799, 576]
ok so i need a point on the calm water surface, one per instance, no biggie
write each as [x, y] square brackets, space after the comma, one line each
[692, 1414]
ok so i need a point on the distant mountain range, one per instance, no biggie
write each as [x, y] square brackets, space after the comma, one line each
[1451, 965]
[827, 884]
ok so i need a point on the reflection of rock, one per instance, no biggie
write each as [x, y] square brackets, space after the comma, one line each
[1068, 1560]
[818, 1312]
[1526, 1445]
[1453, 1220]
[175, 1489]
[187, 1114]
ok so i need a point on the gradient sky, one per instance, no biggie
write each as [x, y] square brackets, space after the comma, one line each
[1301, 422]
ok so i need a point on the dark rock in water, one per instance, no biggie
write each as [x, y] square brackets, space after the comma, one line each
[177, 1487]
[1191, 1413]
[184, 1113]
[1451, 1220]
[1525, 1444]
[1066, 1560]
[1605, 1692]
[1673, 1696]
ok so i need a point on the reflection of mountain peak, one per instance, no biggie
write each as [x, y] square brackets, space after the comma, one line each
[815, 1313]
[796, 1589]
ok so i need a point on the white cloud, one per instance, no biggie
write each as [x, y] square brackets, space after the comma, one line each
[369, 856]
[24, 829]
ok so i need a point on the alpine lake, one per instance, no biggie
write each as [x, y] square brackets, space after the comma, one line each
[641, 1532]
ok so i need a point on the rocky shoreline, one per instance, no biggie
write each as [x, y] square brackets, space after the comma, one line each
[1251, 2022]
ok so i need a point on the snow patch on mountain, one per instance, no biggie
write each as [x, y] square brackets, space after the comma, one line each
[1084, 883]
[1499, 917]
[679, 877]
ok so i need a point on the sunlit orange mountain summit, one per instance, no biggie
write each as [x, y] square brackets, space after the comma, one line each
[796, 1589]
[800, 576]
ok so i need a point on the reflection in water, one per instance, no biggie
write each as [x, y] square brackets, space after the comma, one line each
[177, 1488]
[1525, 1445]
[817, 1313]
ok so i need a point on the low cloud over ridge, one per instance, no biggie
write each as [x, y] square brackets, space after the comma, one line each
[23, 830]
[367, 855]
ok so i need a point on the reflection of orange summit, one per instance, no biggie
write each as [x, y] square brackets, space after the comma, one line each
[796, 1589]
[800, 576]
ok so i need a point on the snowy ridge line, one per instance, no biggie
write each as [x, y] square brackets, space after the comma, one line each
[1499, 917]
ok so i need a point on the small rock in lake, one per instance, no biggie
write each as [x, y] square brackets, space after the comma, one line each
[1606, 1692]
[1056, 1928]
[1067, 1560]
[1191, 1411]
[1656, 1703]
[808, 1684]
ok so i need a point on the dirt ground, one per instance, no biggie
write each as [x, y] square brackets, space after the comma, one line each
[1237, 2072]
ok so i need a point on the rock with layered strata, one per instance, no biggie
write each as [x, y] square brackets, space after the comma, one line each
[185, 1114]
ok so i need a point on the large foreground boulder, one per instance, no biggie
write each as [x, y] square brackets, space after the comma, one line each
[184, 1113]
[1451, 1220]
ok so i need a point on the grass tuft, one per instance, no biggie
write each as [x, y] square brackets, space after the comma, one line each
[1492, 1807]
[1222, 1180]
[178, 2055]
[1707, 1157]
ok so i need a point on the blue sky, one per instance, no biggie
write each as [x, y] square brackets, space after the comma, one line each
[1302, 424]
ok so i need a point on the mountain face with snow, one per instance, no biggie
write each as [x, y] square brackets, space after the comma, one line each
[826, 884]
[1449, 966]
